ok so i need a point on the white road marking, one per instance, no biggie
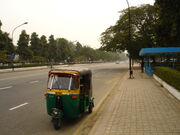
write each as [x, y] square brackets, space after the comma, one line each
[34, 82]
[18, 106]
[8, 87]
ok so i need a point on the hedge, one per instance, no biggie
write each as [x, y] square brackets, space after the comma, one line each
[169, 75]
[178, 68]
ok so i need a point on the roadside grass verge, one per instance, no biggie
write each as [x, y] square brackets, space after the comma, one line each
[171, 76]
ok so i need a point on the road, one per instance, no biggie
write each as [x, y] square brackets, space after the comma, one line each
[22, 101]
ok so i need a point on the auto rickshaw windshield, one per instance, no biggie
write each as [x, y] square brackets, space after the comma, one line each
[63, 82]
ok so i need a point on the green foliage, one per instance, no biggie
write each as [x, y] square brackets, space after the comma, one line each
[80, 59]
[87, 52]
[78, 47]
[44, 47]
[4, 57]
[0, 24]
[52, 48]
[142, 27]
[64, 50]
[38, 59]
[169, 75]
[168, 26]
[52, 51]
[23, 49]
[35, 45]
[151, 26]
[6, 46]
[178, 68]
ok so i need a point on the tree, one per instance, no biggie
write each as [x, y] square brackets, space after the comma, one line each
[0, 24]
[52, 48]
[78, 46]
[143, 22]
[44, 47]
[23, 50]
[41, 50]
[35, 44]
[88, 53]
[6, 43]
[6, 46]
[64, 50]
[4, 57]
[168, 29]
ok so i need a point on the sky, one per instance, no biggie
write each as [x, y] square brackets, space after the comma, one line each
[75, 20]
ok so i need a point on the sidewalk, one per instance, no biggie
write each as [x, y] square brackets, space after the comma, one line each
[140, 106]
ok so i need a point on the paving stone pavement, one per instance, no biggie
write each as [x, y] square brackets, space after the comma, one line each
[140, 106]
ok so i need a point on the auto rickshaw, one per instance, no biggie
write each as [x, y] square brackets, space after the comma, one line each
[69, 94]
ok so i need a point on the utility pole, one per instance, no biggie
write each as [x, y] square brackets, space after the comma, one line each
[12, 39]
[130, 56]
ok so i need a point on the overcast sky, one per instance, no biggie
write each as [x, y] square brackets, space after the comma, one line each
[75, 20]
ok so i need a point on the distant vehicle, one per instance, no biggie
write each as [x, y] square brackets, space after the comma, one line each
[69, 94]
[117, 62]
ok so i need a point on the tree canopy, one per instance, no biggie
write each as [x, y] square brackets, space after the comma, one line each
[35, 49]
[142, 27]
[23, 49]
[150, 26]
[6, 46]
[168, 26]
[155, 25]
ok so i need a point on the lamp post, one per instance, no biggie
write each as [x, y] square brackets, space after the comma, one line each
[13, 34]
[17, 27]
[130, 58]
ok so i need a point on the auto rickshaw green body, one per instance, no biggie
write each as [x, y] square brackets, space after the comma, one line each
[72, 101]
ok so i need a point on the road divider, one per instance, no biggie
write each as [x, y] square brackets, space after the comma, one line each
[13, 108]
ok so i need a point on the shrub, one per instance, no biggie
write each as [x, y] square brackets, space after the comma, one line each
[38, 59]
[178, 68]
[169, 75]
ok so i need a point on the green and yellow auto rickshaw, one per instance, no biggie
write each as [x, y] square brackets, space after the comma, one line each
[69, 94]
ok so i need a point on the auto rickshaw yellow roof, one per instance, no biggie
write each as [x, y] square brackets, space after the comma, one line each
[81, 71]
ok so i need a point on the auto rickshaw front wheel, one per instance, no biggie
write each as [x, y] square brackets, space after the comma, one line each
[57, 122]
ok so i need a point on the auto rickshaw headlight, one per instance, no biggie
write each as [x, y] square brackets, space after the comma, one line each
[55, 111]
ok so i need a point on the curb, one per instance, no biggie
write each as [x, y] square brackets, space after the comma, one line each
[171, 89]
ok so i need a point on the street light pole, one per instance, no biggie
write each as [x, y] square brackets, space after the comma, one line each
[12, 37]
[16, 28]
[130, 57]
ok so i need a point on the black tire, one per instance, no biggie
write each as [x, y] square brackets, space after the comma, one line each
[90, 109]
[57, 123]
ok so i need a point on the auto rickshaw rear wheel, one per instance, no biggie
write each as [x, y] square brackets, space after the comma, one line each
[90, 108]
[57, 122]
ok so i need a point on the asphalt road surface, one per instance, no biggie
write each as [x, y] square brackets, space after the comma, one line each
[22, 102]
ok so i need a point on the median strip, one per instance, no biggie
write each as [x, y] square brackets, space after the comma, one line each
[13, 108]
